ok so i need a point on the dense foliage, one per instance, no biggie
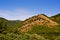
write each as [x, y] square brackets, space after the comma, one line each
[56, 18]
[14, 22]
[38, 32]
[48, 32]
[11, 36]
[3, 25]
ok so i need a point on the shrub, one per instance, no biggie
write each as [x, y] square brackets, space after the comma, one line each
[26, 36]
[58, 38]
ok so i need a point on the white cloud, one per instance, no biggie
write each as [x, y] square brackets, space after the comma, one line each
[20, 13]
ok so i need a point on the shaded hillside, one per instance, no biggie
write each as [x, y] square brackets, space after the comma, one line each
[14, 22]
[56, 18]
[3, 24]
[37, 20]
[11, 22]
[9, 25]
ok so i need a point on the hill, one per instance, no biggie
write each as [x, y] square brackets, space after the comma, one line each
[40, 19]
[56, 18]
[11, 22]
[39, 25]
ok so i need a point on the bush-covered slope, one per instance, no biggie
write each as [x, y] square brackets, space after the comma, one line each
[9, 30]
[47, 32]
[56, 18]
[3, 25]
[37, 20]
[14, 22]
[11, 36]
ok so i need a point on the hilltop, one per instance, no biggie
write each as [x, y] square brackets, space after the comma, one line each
[40, 19]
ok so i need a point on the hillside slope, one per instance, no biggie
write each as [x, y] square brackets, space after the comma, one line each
[56, 18]
[37, 20]
[11, 22]
[14, 22]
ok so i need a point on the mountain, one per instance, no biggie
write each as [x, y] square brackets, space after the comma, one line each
[13, 22]
[56, 18]
[40, 19]
[41, 25]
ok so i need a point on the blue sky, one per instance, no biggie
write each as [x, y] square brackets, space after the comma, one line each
[23, 9]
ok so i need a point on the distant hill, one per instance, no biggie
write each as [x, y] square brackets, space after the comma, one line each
[11, 22]
[56, 18]
[1, 18]
[40, 19]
